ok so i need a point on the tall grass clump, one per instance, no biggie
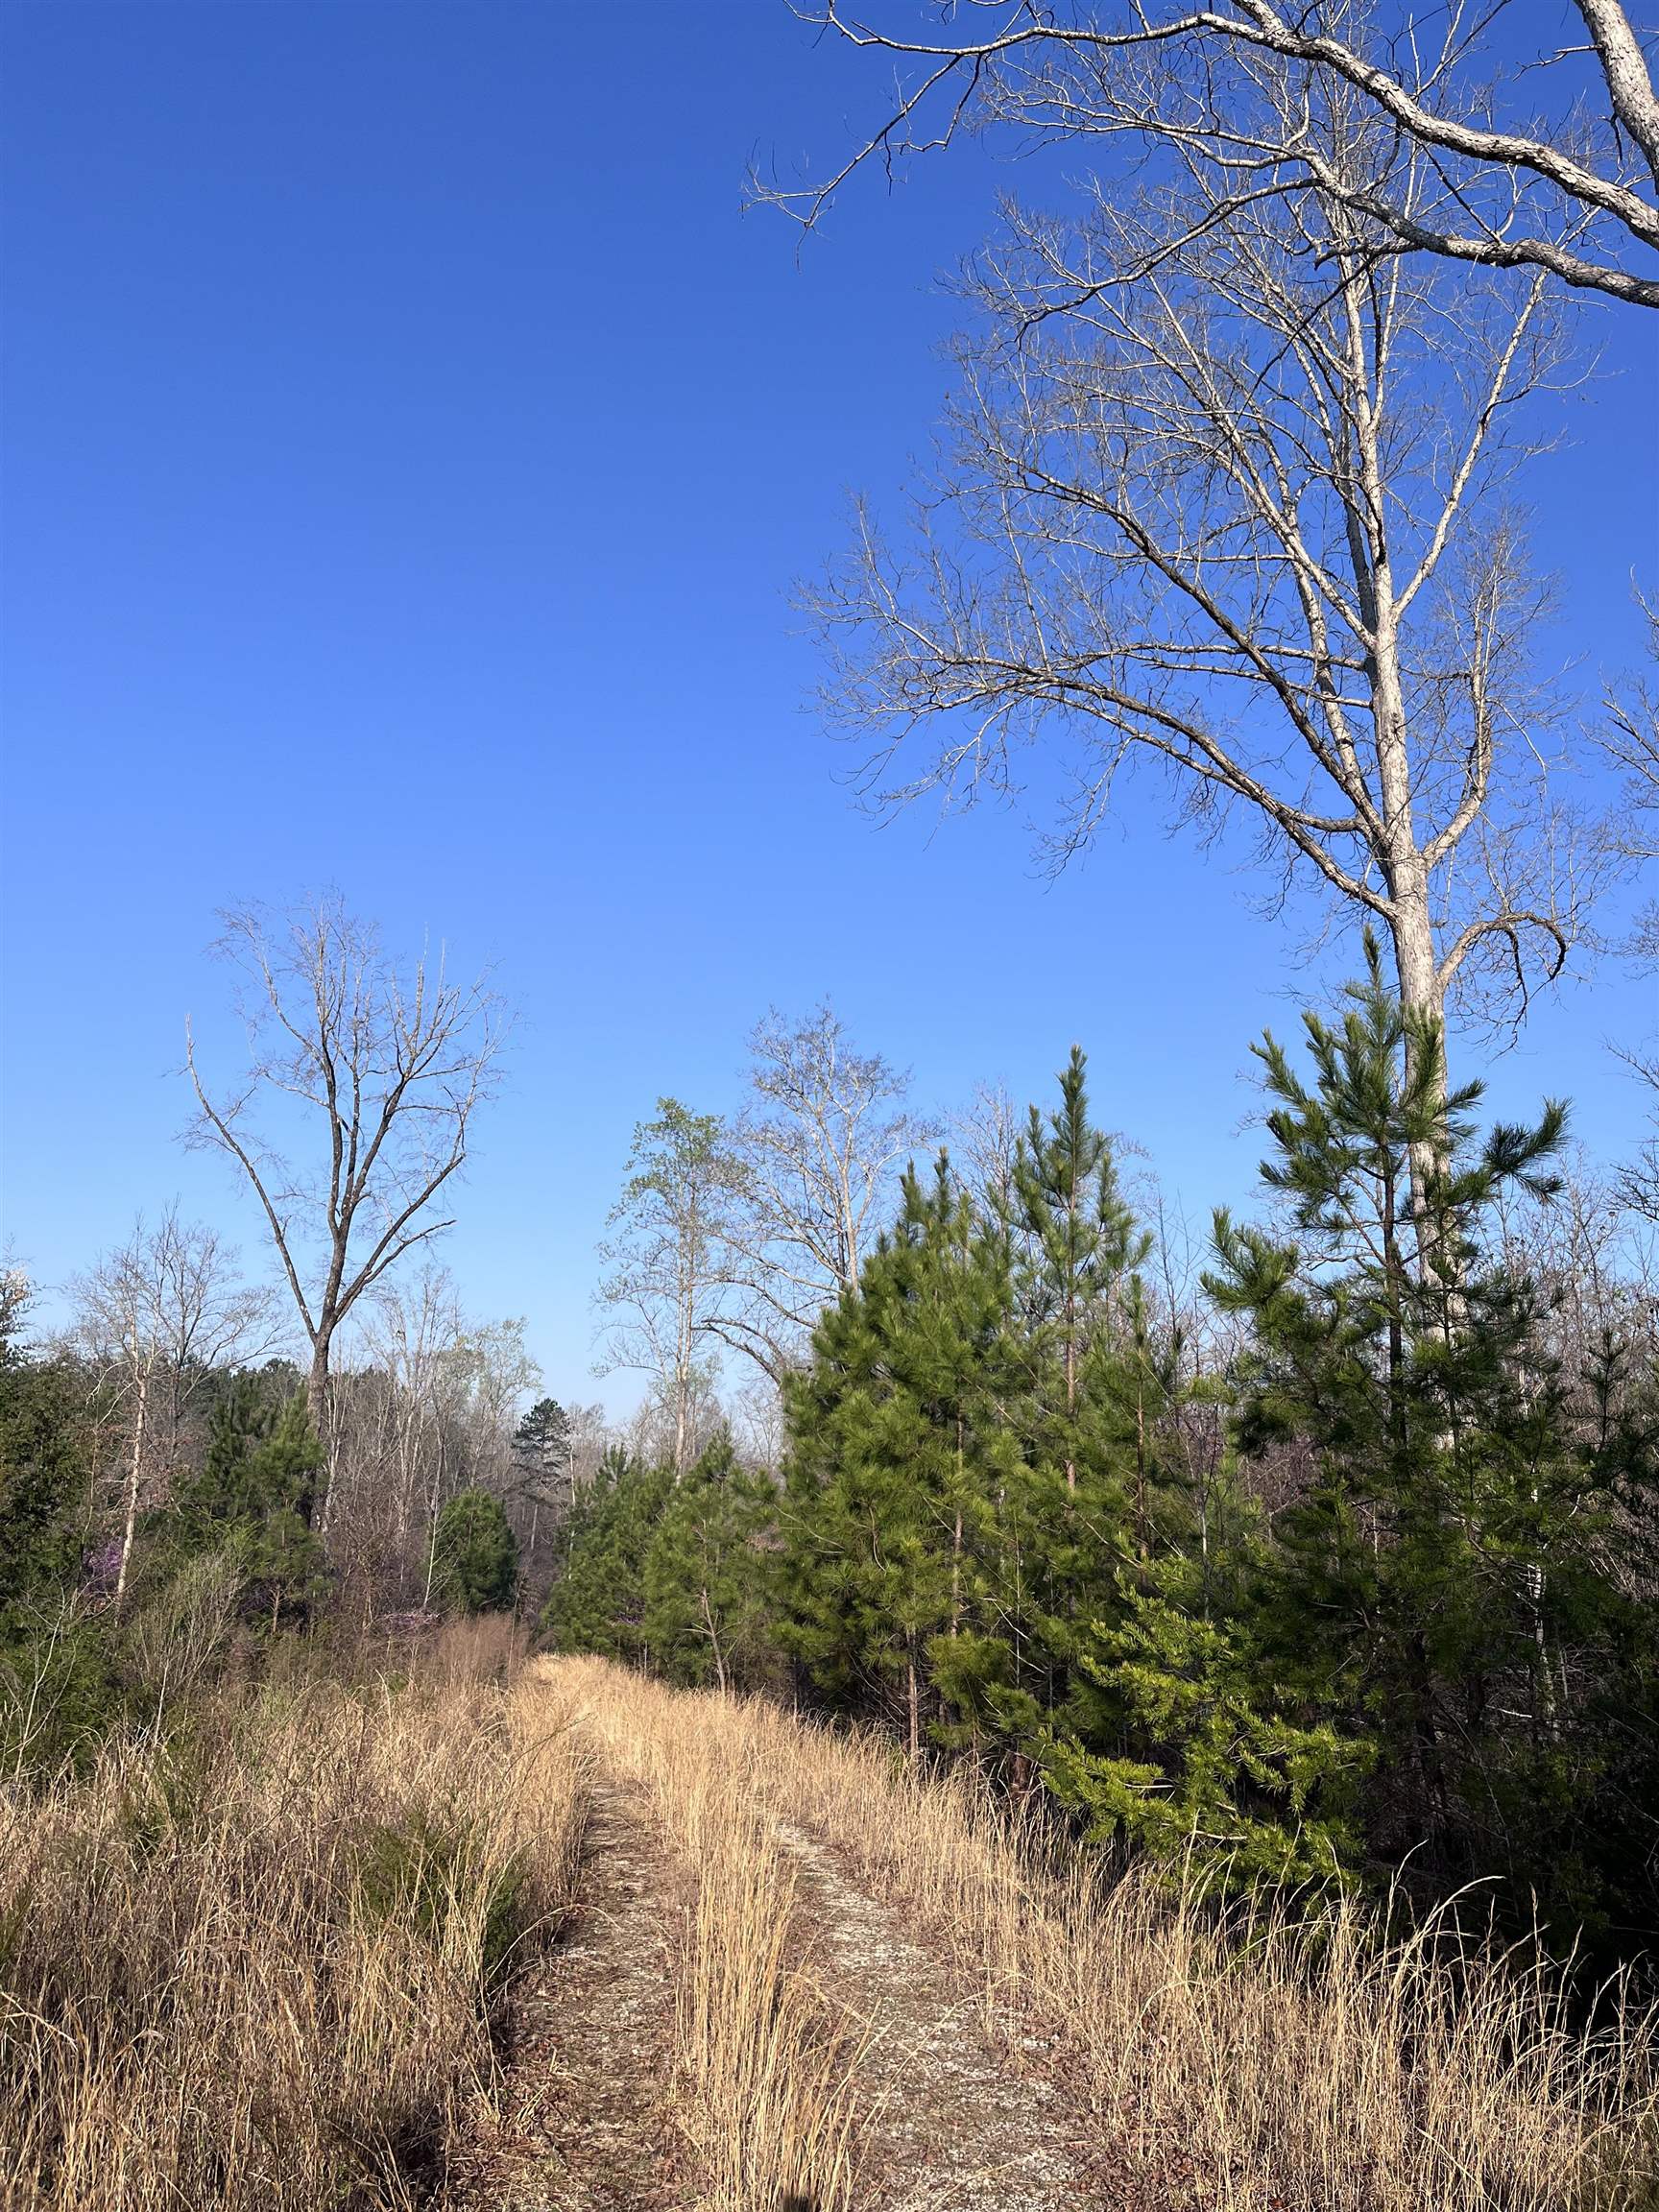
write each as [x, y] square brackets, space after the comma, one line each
[768, 2063]
[256, 1966]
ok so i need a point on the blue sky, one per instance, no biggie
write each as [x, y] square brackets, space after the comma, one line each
[409, 446]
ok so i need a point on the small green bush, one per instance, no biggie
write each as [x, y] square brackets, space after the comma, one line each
[424, 1870]
[60, 1696]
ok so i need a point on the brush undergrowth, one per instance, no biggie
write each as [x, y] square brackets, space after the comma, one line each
[258, 1965]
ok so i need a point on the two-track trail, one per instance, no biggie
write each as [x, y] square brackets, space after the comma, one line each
[610, 2100]
[803, 1974]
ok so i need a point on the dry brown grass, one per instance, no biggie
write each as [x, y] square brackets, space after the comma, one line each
[1313, 2064]
[257, 1967]
[768, 2064]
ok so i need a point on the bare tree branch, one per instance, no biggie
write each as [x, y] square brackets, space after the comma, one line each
[1571, 189]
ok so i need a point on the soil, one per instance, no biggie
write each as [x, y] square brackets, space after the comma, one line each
[583, 2121]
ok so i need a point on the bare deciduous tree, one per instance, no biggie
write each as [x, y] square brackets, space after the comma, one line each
[985, 1139]
[423, 1404]
[818, 1148]
[651, 1434]
[1637, 1183]
[409, 1329]
[380, 1068]
[156, 1317]
[759, 1428]
[1632, 742]
[1223, 494]
[1544, 162]
[1590, 1263]
[485, 1376]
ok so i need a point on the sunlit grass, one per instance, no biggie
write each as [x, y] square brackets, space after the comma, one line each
[1274, 2053]
[256, 1967]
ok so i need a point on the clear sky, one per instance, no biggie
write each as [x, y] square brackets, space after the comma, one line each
[409, 446]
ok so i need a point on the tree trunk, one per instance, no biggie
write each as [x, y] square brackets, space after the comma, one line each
[1414, 963]
[317, 1406]
[1430, 1765]
[135, 1476]
[1398, 850]
[714, 1641]
[1421, 998]
[956, 1542]
[1071, 1362]
[1142, 1542]
[681, 1393]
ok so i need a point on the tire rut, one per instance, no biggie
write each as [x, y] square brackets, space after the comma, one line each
[950, 2126]
[583, 2122]
[585, 2119]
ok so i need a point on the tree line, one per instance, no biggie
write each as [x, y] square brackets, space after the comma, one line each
[1334, 1559]
[196, 1462]
[171, 1517]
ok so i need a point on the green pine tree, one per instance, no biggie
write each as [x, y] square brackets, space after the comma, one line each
[1447, 1575]
[58, 1688]
[598, 1601]
[1086, 1406]
[1080, 1249]
[44, 1462]
[251, 1498]
[899, 1450]
[1192, 1752]
[708, 1575]
[474, 1562]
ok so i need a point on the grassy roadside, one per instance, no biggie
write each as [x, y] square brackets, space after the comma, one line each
[258, 1965]
[1312, 2066]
